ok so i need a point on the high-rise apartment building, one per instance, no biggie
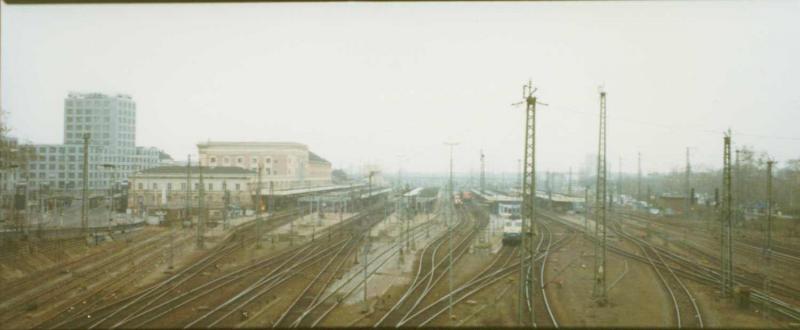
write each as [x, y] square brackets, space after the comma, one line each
[110, 121]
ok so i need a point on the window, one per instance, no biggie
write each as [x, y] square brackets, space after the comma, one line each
[183, 186]
[225, 161]
[169, 186]
[239, 160]
[237, 187]
[210, 186]
[254, 161]
[269, 160]
[69, 119]
[213, 160]
[155, 186]
[141, 186]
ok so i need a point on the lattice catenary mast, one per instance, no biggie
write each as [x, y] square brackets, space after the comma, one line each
[599, 289]
[725, 221]
[528, 206]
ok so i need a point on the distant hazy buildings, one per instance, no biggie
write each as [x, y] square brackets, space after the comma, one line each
[287, 165]
[110, 121]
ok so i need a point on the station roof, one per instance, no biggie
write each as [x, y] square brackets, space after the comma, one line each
[492, 196]
[413, 192]
[311, 190]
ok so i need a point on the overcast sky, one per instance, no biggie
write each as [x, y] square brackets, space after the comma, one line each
[366, 82]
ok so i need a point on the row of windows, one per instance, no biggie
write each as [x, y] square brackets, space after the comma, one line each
[236, 186]
[240, 160]
[105, 102]
[98, 111]
[74, 184]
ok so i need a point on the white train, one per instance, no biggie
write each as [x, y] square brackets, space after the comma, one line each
[512, 223]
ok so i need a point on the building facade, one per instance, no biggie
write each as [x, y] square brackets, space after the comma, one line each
[110, 122]
[165, 188]
[287, 165]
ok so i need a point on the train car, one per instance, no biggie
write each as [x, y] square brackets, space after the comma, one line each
[512, 223]
[512, 231]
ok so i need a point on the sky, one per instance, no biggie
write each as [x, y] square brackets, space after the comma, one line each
[390, 83]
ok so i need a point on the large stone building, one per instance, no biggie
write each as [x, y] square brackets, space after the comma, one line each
[164, 188]
[110, 122]
[287, 165]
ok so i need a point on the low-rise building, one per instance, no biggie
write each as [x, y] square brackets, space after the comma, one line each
[165, 188]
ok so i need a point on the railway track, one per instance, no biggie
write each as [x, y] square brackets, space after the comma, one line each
[544, 316]
[319, 311]
[780, 253]
[86, 282]
[687, 313]
[690, 269]
[504, 265]
[744, 276]
[34, 281]
[431, 269]
[189, 300]
[106, 312]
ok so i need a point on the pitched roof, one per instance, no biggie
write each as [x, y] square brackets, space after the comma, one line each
[206, 170]
[316, 158]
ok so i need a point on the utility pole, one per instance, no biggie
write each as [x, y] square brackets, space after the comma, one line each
[201, 206]
[366, 244]
[768, 250]
[725, 221]
[768, 254]
[687, 184]
[569, 182]
[483, 173]
[85, 191]
[599, 290]
[271, 201]
[528, 209]
[738, 201]
[188, 216]
[519, 174]
[450, 233]
[619, 180]
[258, 207]
[586, 210]
[639, 177]
[226, 200]
[111, 196]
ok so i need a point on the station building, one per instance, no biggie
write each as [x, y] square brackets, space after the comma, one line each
[287, 165]
[164, 189]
